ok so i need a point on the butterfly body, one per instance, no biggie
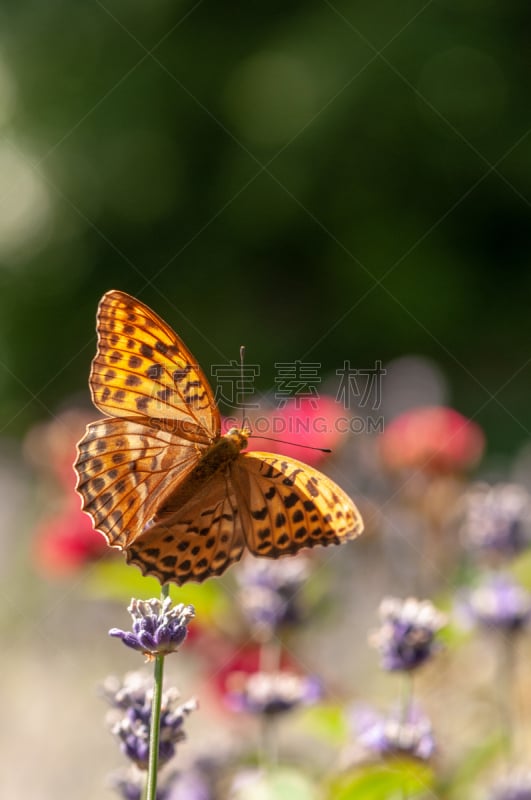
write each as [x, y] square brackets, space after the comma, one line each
[217, 457]
[162, 483]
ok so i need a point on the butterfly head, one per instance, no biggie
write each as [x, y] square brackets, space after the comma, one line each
[238, 437]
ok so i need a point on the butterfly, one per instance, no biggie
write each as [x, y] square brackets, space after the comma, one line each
[163, 484]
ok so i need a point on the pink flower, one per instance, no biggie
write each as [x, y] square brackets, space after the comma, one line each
[432, 439]
[51, 447]
[65, 543]
[302, 421]
[244, 660]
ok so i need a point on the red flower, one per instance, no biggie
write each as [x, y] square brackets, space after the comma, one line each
[432, 439]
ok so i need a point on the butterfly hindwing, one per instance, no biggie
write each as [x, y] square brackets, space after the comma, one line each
[287, 505]
[143, 369]
[200, 540]
[124, 470]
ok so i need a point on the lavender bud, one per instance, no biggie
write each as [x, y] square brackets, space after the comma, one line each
[132, 725]
[516, 786]
[271, 692]
[157, 627]
[269, 592]
[497, 519]
[406, 638]
[383, 736]
[500, 603]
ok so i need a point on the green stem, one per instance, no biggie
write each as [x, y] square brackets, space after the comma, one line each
[405, 707]
[270, 655]
[507, 692]
[153, 763]
[407, 697]
[269, 741]
[270, 658]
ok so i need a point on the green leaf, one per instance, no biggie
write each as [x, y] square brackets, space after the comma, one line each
[326, 721]
[116, 580]
[522, 570]
[453, 635]
[392, 780]
[473, 763]
[278, 784]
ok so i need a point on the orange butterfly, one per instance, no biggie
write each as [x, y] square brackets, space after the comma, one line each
[163, 484]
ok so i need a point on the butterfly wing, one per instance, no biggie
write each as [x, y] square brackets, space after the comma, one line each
[200, 540]
[286, 505]
[143, 369]
[125, 470]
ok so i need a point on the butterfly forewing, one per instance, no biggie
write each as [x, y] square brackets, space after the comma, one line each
[124, 471]
[143, 369]
[202, 539]
[287, 505]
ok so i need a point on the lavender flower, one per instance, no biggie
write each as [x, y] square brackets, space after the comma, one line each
[157, 628]
[192, 785]
[129, 784]
[129, 692]
[497, 519]
[269, 592]
[500, 603]
[516, 786]
[406, 638]
[189, 784]
[383, 736]
[134, 697]
[271, 692]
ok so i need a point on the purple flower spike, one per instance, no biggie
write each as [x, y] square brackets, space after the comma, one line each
[406, 638]
[189, 784]
[272, 692]
[383, 736]
[269, 592]
[497, 519]
[132, 725]
[516, 786]
[192, 785]
[130, 785]
[157, 627]
[500, 603]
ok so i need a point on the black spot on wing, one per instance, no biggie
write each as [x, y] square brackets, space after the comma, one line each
[291, 499]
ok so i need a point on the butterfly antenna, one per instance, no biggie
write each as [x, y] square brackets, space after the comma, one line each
[242, 359]
[293, 444]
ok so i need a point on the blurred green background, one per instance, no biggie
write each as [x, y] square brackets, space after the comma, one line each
[322, 181]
